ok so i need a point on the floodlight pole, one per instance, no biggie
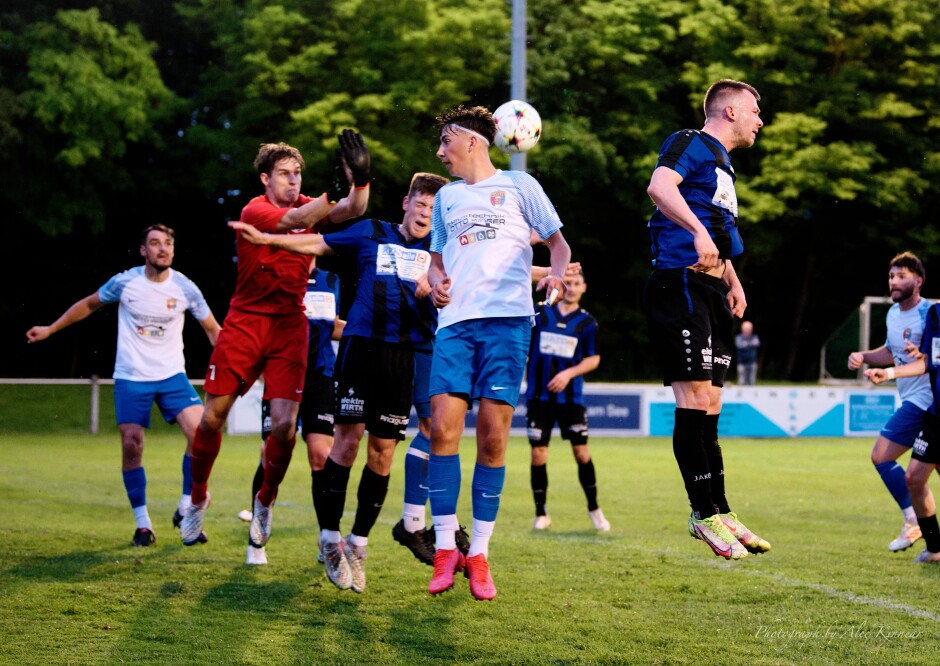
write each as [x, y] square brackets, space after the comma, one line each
[518, 64]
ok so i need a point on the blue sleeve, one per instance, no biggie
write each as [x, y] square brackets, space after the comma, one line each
[110, 291]
[438, 232]
[348, 239]
[538, 209]
[197, 302]
[589, 341]
[930, 330]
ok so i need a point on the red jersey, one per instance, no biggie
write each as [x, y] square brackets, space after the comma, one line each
[270, 280]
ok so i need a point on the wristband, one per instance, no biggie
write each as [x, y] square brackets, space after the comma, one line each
[890, 373]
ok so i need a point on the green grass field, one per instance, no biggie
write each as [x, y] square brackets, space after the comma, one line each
[73, 591]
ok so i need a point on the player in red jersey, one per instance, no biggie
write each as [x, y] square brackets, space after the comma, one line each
[266, 328]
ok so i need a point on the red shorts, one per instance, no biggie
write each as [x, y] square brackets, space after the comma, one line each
[251, 344]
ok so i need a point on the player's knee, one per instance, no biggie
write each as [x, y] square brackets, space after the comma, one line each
[581, 453]
[915, 478]
[539, 455]
[380, 458]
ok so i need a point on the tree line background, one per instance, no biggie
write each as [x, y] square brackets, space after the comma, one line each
[121, 113]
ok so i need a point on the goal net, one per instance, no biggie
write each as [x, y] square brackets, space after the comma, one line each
[864, 329]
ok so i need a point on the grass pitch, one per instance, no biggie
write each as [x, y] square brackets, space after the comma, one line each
[73, 590]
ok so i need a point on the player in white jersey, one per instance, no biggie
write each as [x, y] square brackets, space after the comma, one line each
[481, 261]
[905, 322]
[149, 364]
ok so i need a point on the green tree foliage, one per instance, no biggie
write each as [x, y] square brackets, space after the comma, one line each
[170, 106]
[88, 91]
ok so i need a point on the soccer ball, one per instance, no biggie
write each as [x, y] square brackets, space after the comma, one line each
[518, 126]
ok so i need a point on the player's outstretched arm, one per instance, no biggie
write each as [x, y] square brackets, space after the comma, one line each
[311, 244]
[539, 272]
[912, 369]
[76, 312]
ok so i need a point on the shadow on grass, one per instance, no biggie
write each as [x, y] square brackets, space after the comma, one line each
[76, 566]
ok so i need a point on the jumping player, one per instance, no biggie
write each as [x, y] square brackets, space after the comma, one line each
[693, 294]
[266, 329]
[481, 260]
[375, 366]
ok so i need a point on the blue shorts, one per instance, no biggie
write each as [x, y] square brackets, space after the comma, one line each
[421, 398]
[134, 400]
[482, 358]
[904, 425]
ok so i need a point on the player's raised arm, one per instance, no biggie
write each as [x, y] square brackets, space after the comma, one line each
[351, 196]
[355, 162]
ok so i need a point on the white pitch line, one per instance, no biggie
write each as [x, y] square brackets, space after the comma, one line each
[828, 590]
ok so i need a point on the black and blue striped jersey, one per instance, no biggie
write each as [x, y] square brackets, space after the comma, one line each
[385, 306]
[708, 188]
[321, 305]
[558, 343]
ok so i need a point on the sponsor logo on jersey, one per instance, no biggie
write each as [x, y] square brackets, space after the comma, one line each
[151, 331]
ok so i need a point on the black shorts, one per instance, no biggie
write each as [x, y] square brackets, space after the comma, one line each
[373, 380]
[316, 405]
[927, 445]
[690, 325]
[315, 415]
[542, 416]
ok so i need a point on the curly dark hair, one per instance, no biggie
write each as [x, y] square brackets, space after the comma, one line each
[476, 118]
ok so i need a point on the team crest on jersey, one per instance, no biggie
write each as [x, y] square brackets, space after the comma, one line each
[171, 304]
[498, 198]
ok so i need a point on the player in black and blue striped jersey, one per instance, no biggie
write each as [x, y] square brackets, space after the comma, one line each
[563, 350]
[693, 295]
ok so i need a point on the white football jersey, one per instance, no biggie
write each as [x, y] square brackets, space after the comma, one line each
[483, 232]
[150, 322]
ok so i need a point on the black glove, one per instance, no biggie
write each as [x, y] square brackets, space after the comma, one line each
[342, 178]
[356, 155]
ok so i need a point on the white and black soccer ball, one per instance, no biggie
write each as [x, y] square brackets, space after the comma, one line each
[518, 126]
